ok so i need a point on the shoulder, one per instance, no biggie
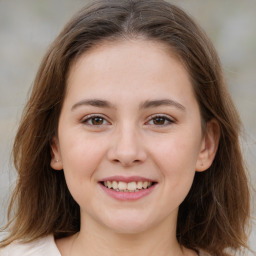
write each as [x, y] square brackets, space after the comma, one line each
[40, 247]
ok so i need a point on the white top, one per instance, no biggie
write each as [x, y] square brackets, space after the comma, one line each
[41, 247]
[45, 246]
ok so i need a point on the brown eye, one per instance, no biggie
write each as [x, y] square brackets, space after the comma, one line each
[95, 121]
[160, 121]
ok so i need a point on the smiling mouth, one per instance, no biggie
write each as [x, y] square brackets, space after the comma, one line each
[121, 186]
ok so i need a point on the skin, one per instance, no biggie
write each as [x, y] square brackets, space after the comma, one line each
[127, 140]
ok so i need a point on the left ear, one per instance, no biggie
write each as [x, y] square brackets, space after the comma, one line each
[56, 161]
[209, 146]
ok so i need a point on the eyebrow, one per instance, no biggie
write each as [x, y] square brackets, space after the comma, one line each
[93, 102]
[147, 104]
[162, 102]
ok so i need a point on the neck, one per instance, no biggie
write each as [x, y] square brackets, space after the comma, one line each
[95, 240]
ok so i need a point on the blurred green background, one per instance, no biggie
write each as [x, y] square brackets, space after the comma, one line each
[27, 27]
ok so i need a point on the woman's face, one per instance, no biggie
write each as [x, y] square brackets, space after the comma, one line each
[129, 136]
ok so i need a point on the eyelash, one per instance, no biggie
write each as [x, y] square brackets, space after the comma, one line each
[163, 117]
[89, 119]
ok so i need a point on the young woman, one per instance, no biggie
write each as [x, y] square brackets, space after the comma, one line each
[129, 143]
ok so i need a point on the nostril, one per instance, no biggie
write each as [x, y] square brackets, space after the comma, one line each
[126, 163]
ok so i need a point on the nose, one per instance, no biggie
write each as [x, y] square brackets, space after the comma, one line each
[127, 147]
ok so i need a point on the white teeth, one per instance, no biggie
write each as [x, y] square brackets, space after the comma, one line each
[115, 185]
[145, 184]
[109, 184]
[127, 187]
[139, 185]
[122, 185]
[131, 186]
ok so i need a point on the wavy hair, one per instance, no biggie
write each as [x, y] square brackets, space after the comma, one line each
[215, 213]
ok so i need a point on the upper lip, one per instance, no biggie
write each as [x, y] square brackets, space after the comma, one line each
[127, 179]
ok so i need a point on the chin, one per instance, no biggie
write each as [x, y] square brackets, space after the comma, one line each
[129, 229]
[128, 224]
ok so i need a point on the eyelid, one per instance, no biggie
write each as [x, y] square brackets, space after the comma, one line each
[90, 116]
[166, 117]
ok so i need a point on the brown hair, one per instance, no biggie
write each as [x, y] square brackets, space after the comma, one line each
[214, 215]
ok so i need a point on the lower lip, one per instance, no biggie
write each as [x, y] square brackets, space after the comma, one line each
[128, 196]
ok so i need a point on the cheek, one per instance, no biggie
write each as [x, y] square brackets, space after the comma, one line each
[178, 153]
[177, 162]
[81, 154]
[81, 157]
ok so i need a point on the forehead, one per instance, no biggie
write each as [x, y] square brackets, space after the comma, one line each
[146, 50]
[140, 65]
